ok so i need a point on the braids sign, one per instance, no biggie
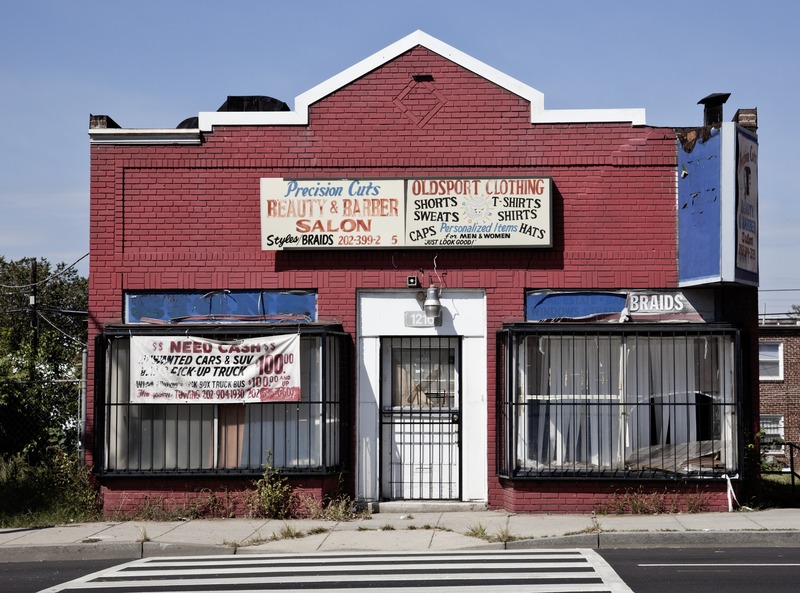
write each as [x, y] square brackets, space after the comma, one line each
[181, 369]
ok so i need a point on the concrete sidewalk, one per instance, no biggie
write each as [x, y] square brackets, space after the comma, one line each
[396, 531]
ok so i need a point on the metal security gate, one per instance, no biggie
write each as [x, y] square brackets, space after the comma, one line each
[420, 418]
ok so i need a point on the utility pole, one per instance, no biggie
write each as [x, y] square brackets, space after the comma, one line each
[34, 319]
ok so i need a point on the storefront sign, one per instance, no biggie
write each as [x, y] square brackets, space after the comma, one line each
[178, 369]
[329, 214]
[619, 306]
[747, 204]
[433, 213]
[661, 306]
[478, 213]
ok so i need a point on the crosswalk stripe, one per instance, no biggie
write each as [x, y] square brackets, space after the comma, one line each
[539, 571]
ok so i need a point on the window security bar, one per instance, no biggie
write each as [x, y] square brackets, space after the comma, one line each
[220, 438]
[639, 403]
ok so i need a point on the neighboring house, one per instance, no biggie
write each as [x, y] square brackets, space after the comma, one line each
[421, 285]
[779, 385]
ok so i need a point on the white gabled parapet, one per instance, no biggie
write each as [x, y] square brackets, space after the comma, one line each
[209, 119]
[299, 116]
[635, 116]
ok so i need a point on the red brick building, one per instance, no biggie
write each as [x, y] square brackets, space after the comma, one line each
[424, 285]
[779, 376]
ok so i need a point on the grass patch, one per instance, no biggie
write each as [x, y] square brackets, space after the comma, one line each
[58, 490]
[289, 532]
[286, 532]
[317, 530]
[339, 509]
[646, 501]
[503, 535]
[427, 527]
[478, 531]
[777, 491]
[585, 531]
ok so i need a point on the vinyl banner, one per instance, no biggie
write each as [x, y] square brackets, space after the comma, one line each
[182, 369]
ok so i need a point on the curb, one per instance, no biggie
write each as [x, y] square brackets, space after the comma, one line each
[42, 552]
[151, 549]
[683, 539]
[583, 540]
[664, 539]
[601, 540]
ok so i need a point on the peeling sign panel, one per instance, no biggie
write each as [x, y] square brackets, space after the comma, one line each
[699, 209]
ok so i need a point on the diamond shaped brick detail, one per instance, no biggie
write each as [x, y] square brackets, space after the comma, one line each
[419, 102]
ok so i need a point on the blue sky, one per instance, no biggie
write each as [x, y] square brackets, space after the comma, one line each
[153, 63]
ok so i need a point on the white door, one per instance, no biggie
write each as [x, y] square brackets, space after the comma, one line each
[420, 418]
[414, 449]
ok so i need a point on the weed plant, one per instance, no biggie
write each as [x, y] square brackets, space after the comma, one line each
[57, 490]
[638, 501]
[273, 496]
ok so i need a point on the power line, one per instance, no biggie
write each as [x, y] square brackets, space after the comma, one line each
[48, 279]
[59, 330]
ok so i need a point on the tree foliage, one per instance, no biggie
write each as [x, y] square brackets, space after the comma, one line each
[41, 344]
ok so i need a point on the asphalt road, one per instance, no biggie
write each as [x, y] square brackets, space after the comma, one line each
[31, 577]
[664, 570]
[712, 570]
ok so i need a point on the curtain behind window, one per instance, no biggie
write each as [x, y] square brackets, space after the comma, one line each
[654, 402]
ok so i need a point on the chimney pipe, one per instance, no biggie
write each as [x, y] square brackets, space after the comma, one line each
[712, 112]
[747, 118]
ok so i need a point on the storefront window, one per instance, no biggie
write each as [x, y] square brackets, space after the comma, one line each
[177, 436]
[220, 306]
[615, 403]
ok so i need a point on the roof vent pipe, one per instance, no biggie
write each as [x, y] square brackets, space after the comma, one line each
[252, 103]
[712, 112]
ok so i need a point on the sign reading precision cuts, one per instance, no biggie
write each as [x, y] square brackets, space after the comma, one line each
[179, 369]
[308, 214]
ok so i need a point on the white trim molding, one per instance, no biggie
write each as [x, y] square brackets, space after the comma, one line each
[144, 136]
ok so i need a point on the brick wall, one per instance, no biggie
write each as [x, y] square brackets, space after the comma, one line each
[616, 498]
[205, 497]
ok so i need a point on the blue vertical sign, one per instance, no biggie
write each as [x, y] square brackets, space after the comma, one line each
[700, 209]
